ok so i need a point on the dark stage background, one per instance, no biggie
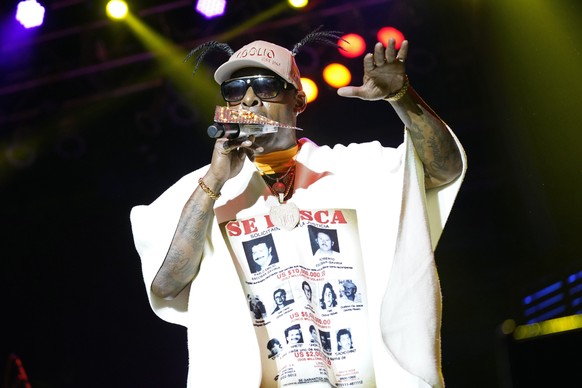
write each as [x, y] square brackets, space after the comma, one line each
[91, 124]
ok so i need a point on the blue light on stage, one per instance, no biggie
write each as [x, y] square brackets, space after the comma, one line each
[548, 290]
[562, 297]
[575, 276]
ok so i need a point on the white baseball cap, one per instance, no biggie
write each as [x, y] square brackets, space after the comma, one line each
[264, 55]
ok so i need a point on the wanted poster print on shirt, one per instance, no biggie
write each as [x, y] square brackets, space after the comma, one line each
[307, 297]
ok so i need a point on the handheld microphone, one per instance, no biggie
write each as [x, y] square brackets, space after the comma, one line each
[238, 131]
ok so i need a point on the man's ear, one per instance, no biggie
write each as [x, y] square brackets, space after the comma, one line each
[300, 102]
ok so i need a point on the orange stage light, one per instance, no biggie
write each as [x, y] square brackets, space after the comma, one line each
[385, 33]
[353, 45]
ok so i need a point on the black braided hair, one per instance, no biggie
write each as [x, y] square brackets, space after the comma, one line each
[204, 49]
[329, 38]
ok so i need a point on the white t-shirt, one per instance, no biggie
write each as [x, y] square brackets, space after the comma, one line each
[357, 192]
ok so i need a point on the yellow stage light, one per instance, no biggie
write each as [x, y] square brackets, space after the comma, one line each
[337, 75]
[298, 3]
[117, 9]
[310, 88]
[551, 326]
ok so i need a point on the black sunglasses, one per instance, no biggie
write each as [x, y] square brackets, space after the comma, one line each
[264, 86]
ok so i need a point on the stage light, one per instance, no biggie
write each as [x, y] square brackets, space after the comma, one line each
[117, 9]
[353, 45]
[310, 89]
[337, 75]
[210, 8]
[298, 3]
[385, 33]
[547, 327]
[30, 13]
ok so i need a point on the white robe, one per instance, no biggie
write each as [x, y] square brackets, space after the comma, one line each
[399, 226]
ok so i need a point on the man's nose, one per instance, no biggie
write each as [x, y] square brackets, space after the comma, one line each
[250, 98]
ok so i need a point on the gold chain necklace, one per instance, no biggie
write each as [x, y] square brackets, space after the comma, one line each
[284, 215]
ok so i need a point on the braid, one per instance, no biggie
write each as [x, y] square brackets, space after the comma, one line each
[329, 38]
[204, 49]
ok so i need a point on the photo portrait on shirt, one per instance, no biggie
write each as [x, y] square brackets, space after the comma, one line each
[314, 335]
[281, 299]
[325, 340]
[274, 347]
[344, 340]
[293, 335]
[260, 253]
[324, 243]
[256, 306]
[328, 298]
[306, 287]
[349, 292]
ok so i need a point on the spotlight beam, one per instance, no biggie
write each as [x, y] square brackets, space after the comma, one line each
[170, 58]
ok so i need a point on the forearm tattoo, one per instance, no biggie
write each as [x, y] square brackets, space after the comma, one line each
[188, 244]
[433, 143]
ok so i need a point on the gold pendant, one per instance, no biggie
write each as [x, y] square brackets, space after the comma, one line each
[285, 216]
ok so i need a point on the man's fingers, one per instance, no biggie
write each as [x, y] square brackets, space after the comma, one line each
[241, 149]
[369, 62]
[226, 148]
[379, 54]
[403, 52]
[349, 91]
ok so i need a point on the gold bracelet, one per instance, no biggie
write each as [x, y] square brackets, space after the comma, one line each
[400, 93]
[208, 190]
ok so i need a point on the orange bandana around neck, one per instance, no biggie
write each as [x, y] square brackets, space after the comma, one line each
[276, 162]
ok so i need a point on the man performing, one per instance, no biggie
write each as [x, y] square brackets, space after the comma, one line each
[387, 205]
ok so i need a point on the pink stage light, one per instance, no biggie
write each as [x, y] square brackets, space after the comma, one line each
[30, 13]
[210, 8]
